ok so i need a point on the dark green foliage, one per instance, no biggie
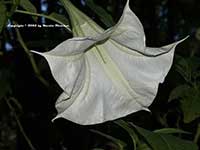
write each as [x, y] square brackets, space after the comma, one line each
[60, 17]
[120, 144]
[28, 6]
[157, 140]
[160, 141]
[3, 16]
[188, 93]
[104, 16]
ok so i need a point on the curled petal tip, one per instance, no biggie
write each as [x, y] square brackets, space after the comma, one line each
[146, 109]
[127, 3]
[54, 119]
[185, 38]
[36, 52]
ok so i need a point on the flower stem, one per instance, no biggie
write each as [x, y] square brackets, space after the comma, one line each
[20, 125]
[46, 16]
[31, 59]
[197, 135]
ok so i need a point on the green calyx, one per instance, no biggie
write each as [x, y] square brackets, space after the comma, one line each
[81, 24]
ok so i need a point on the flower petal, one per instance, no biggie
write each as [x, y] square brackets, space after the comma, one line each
[66, 70]
[152, 52]
[142, 73]
[117, 83]
[100, 98]
[66, 61]
[129, 30]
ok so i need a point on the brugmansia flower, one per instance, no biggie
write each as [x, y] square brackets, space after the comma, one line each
[106, 74]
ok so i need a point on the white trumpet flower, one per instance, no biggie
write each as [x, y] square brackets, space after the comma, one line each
[107, 74]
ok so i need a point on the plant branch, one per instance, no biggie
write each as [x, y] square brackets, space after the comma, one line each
[20, 125]
[31, 59]
[197, 135]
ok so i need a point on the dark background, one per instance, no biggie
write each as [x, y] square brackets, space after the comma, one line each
[164, 21]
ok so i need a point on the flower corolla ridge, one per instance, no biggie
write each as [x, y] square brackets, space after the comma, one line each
[106, 74]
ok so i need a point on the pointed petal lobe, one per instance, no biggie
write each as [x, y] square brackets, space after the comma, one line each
[66, 61]
[129, 30]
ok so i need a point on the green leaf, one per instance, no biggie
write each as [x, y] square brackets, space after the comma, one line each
[160, 141]
[143, 147]
[171, 131]
[183, 68]
[188, 94]
[190, 106]
[130, 131]
[59, 17]
[189, 101]
[187, 67]
[120, 143]
[179, 92]
[104, 16]
[3, 16]
[28, 6]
